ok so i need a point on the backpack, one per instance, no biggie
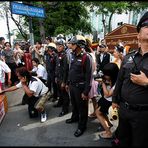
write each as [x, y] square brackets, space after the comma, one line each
[84, 59]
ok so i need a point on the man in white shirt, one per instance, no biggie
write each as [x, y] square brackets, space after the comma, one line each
[4, 68]
[34, 89]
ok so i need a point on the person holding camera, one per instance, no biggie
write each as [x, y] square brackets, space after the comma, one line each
[131, 92]
[108, 80]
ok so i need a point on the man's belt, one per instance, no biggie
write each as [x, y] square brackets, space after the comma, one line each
[76, 83]
[135, 107]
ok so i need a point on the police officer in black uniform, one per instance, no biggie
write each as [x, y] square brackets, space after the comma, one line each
[80, 77]
[131, 92]
[61, 74]
[51, 60]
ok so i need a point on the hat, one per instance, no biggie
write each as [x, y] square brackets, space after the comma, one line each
[143, 21]
[60, 42]
[60, 36]
[79, 40]
[51, 46]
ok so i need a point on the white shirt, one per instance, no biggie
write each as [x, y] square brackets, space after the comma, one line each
[101, 56]
[37, 87]
[109, 88]
[4, 68]
[40, 71]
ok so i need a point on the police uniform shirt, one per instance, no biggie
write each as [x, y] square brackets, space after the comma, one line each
[129, 91]
[81, 73]
[37, 86]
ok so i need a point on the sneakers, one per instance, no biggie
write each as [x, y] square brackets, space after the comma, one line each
[43, 116]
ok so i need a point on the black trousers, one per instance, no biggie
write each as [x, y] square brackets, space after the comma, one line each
[133, 127]
[51, 84]
[31, 102]
[14, 77]
[79, 106]
[64, 99]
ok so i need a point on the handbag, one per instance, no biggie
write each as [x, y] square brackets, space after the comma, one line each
[39, 105]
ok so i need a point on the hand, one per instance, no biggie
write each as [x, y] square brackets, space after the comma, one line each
[84, 97]
[115, 105]
[9, 83]
[99, 80]
[140, 79]
[56, 80]
[67, 88]
[63, 86]
[2, 91]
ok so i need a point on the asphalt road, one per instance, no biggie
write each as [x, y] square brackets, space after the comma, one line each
[17, 129]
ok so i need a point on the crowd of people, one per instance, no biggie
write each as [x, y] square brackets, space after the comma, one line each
[72, 72]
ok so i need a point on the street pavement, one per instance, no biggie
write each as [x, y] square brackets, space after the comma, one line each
[17, 129]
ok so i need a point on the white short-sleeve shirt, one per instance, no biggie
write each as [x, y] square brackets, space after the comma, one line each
[4, 68]
[37, 86]
[40, 71]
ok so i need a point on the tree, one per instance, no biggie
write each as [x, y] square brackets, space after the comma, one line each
[21, 25]
[62, 17]
[112, 7]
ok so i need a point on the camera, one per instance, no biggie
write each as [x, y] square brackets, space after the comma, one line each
[112, 114]
[99, 75]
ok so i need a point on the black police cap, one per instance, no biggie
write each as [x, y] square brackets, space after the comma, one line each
[143, 21]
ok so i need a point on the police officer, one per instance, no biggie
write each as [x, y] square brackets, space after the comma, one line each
[61, 76]
[131, 92]
[102, 58]
[80, 78]
[51, 60]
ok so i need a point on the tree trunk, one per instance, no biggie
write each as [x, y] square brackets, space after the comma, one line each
[42, 30]
[7, 21]
[24, 35]
[109, 22]
[103, 21]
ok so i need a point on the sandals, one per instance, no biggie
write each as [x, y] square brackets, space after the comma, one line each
[104, 135]
[93, 115]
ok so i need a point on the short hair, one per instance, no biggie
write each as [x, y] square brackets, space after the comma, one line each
[2, 38]
[36, 60]
[7, 43]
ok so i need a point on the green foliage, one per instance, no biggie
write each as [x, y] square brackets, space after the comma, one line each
[63, 17]
[108, 8]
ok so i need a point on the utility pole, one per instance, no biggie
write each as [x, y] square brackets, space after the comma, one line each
[31, 31]
[7, 21]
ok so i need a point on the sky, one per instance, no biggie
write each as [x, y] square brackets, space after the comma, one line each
[3, 27]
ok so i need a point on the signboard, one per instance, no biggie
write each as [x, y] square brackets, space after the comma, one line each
[22, 9]
[125, 33]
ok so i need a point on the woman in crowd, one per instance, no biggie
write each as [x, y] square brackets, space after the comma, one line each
[108, 81]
